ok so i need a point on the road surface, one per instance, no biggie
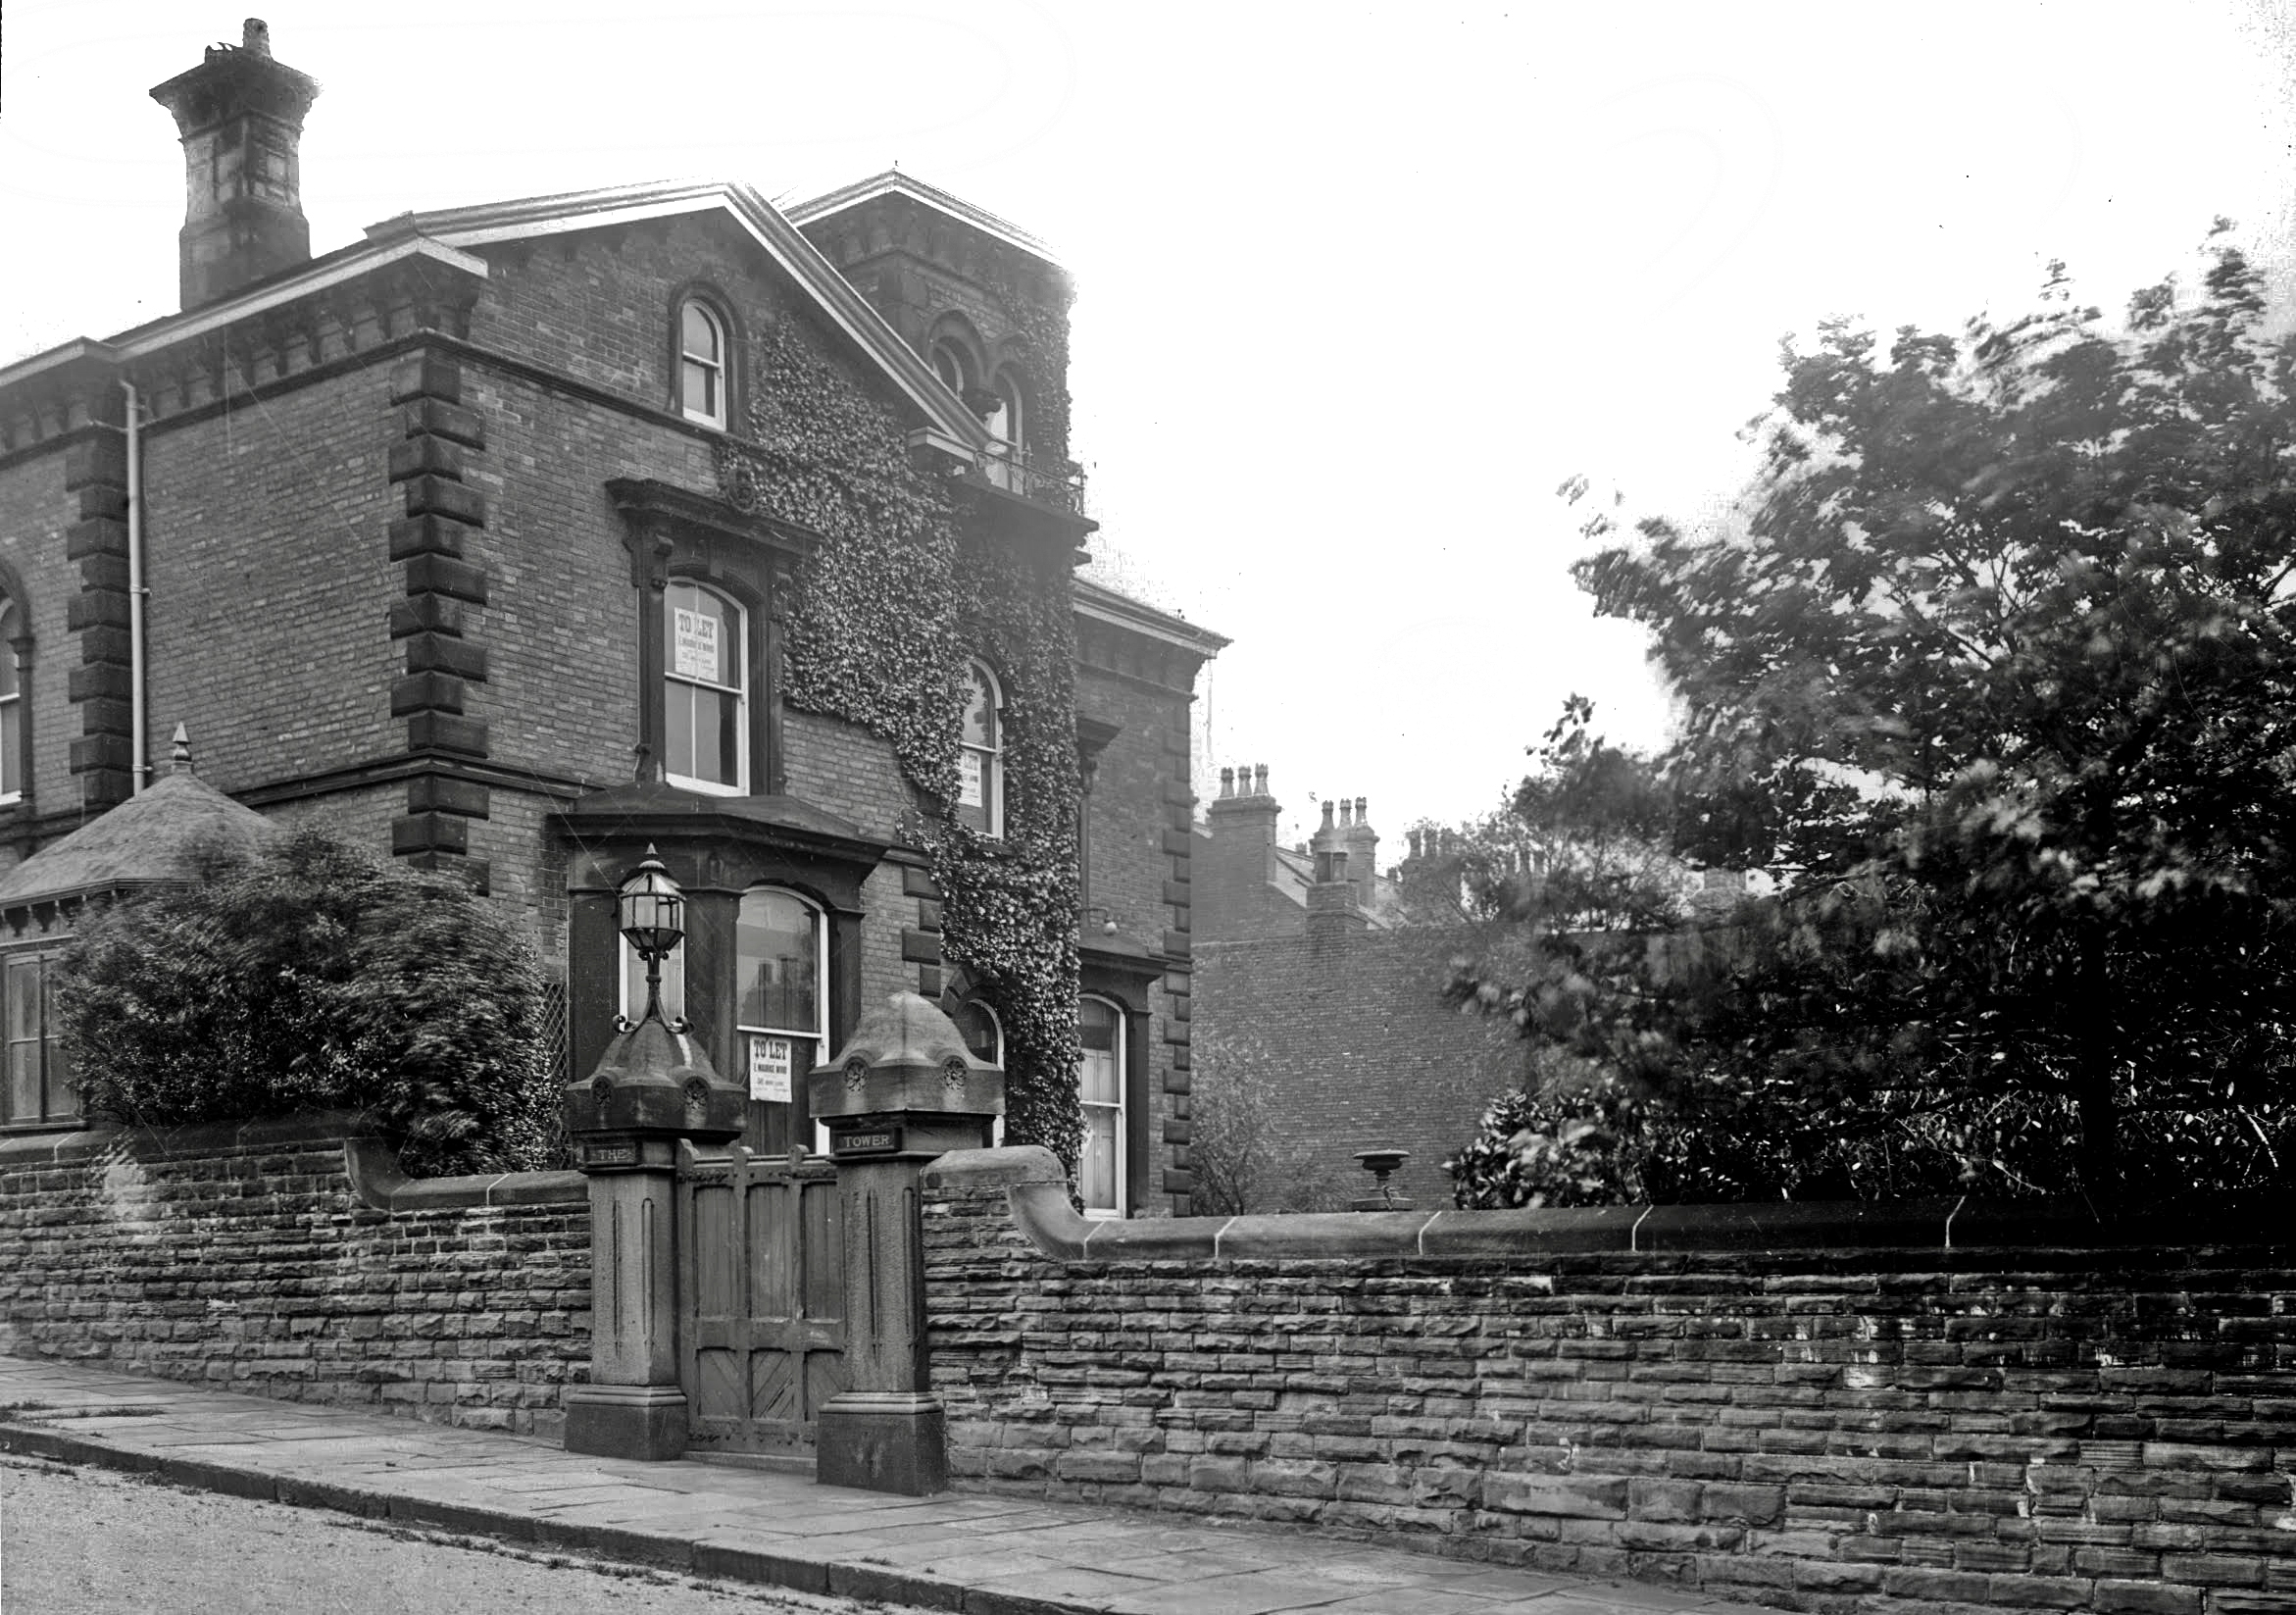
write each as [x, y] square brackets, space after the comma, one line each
[93, 1541]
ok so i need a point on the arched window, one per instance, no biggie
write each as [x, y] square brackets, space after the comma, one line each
[11, 706]
[980, 761]
[701, 363]
[1100, 1086]
[984, 1036]
[782, 965]
[705, 697]
[983, 1032]
[954, 366]
[1007, 423]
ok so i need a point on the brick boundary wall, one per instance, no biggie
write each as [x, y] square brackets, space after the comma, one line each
[290, 1258]
[1931, 1407]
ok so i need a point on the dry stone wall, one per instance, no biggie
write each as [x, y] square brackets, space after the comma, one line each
[1921, 1409]
[290, 1259]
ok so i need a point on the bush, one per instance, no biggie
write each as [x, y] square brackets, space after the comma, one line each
[1582, 1139]
[311, 976]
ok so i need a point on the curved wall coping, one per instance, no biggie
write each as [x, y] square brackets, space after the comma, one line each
[370, 1164]
[1037, 1191]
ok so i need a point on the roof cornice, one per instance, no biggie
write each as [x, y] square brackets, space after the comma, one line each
[537, 216]
[893, 182]
[162, 335]
[1104, 604]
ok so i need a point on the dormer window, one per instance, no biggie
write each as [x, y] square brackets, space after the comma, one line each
[980, 757]
[701, 363]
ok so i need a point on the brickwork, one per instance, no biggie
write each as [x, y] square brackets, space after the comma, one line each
[596, 305]
[35, 513]
[1888, 1430]
[265, 549]
[247, 1258]
[1357, 1036]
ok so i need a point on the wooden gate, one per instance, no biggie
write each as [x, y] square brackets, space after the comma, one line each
[760, 1297]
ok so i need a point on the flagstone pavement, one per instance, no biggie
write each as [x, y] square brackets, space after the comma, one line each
[969, 1553]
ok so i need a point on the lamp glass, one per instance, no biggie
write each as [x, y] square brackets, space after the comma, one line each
[653, 909]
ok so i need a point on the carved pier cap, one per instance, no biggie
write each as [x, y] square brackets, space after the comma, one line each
[654, 1082]
[906, 1085]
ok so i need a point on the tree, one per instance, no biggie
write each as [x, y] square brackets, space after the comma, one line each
[1244, 1142]
[309, 976]
[1994, 666]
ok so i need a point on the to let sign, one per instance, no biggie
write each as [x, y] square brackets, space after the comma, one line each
[770, 1060]
[694, 653]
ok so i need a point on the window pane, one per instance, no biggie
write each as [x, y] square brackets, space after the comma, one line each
[633, 984]
[11, 716]
[1097, 1167]
[22, 987]
[23, 999]
[725, 745]
[62, 1099]
[700, 333]
[777, 946]
[980, 714]
[698, 389]
[704, 636]
[1100, 1079]
[977, 1025]
[678, 728]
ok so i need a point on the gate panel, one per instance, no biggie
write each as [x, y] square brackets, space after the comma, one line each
[761, 1297]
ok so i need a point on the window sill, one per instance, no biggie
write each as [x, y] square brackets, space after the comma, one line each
[703, 787]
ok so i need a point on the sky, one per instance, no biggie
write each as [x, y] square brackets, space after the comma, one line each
[1359, 286]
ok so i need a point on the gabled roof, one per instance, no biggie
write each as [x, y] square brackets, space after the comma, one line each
[847, 310]
[893, 182]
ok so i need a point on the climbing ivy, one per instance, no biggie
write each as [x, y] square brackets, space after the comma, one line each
[1044, 329]
[888, 609]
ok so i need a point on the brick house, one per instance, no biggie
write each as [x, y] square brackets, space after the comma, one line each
[518, 539]
[1315, 983]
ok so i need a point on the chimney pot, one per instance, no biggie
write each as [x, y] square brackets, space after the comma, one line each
[255, 35]
[1326, 815]
[1228, 782]
[1260, 778]
[1363, 812]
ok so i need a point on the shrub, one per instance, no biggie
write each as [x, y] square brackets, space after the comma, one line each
[311, 976]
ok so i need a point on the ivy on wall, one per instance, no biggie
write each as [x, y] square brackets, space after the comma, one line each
[1044, 330]
[887, 613]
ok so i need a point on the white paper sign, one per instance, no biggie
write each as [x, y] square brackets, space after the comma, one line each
[696, 654]
[770, 1061]
[969, 778]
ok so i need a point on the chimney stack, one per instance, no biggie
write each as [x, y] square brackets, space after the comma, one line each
[1234, 877]
[1363, 853]
[240, 116]
[1333, 912]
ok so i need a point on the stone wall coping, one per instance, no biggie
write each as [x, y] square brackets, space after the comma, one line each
[1037, 1191]
[322, 1127]
[378, 1180]
[368, 1161]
